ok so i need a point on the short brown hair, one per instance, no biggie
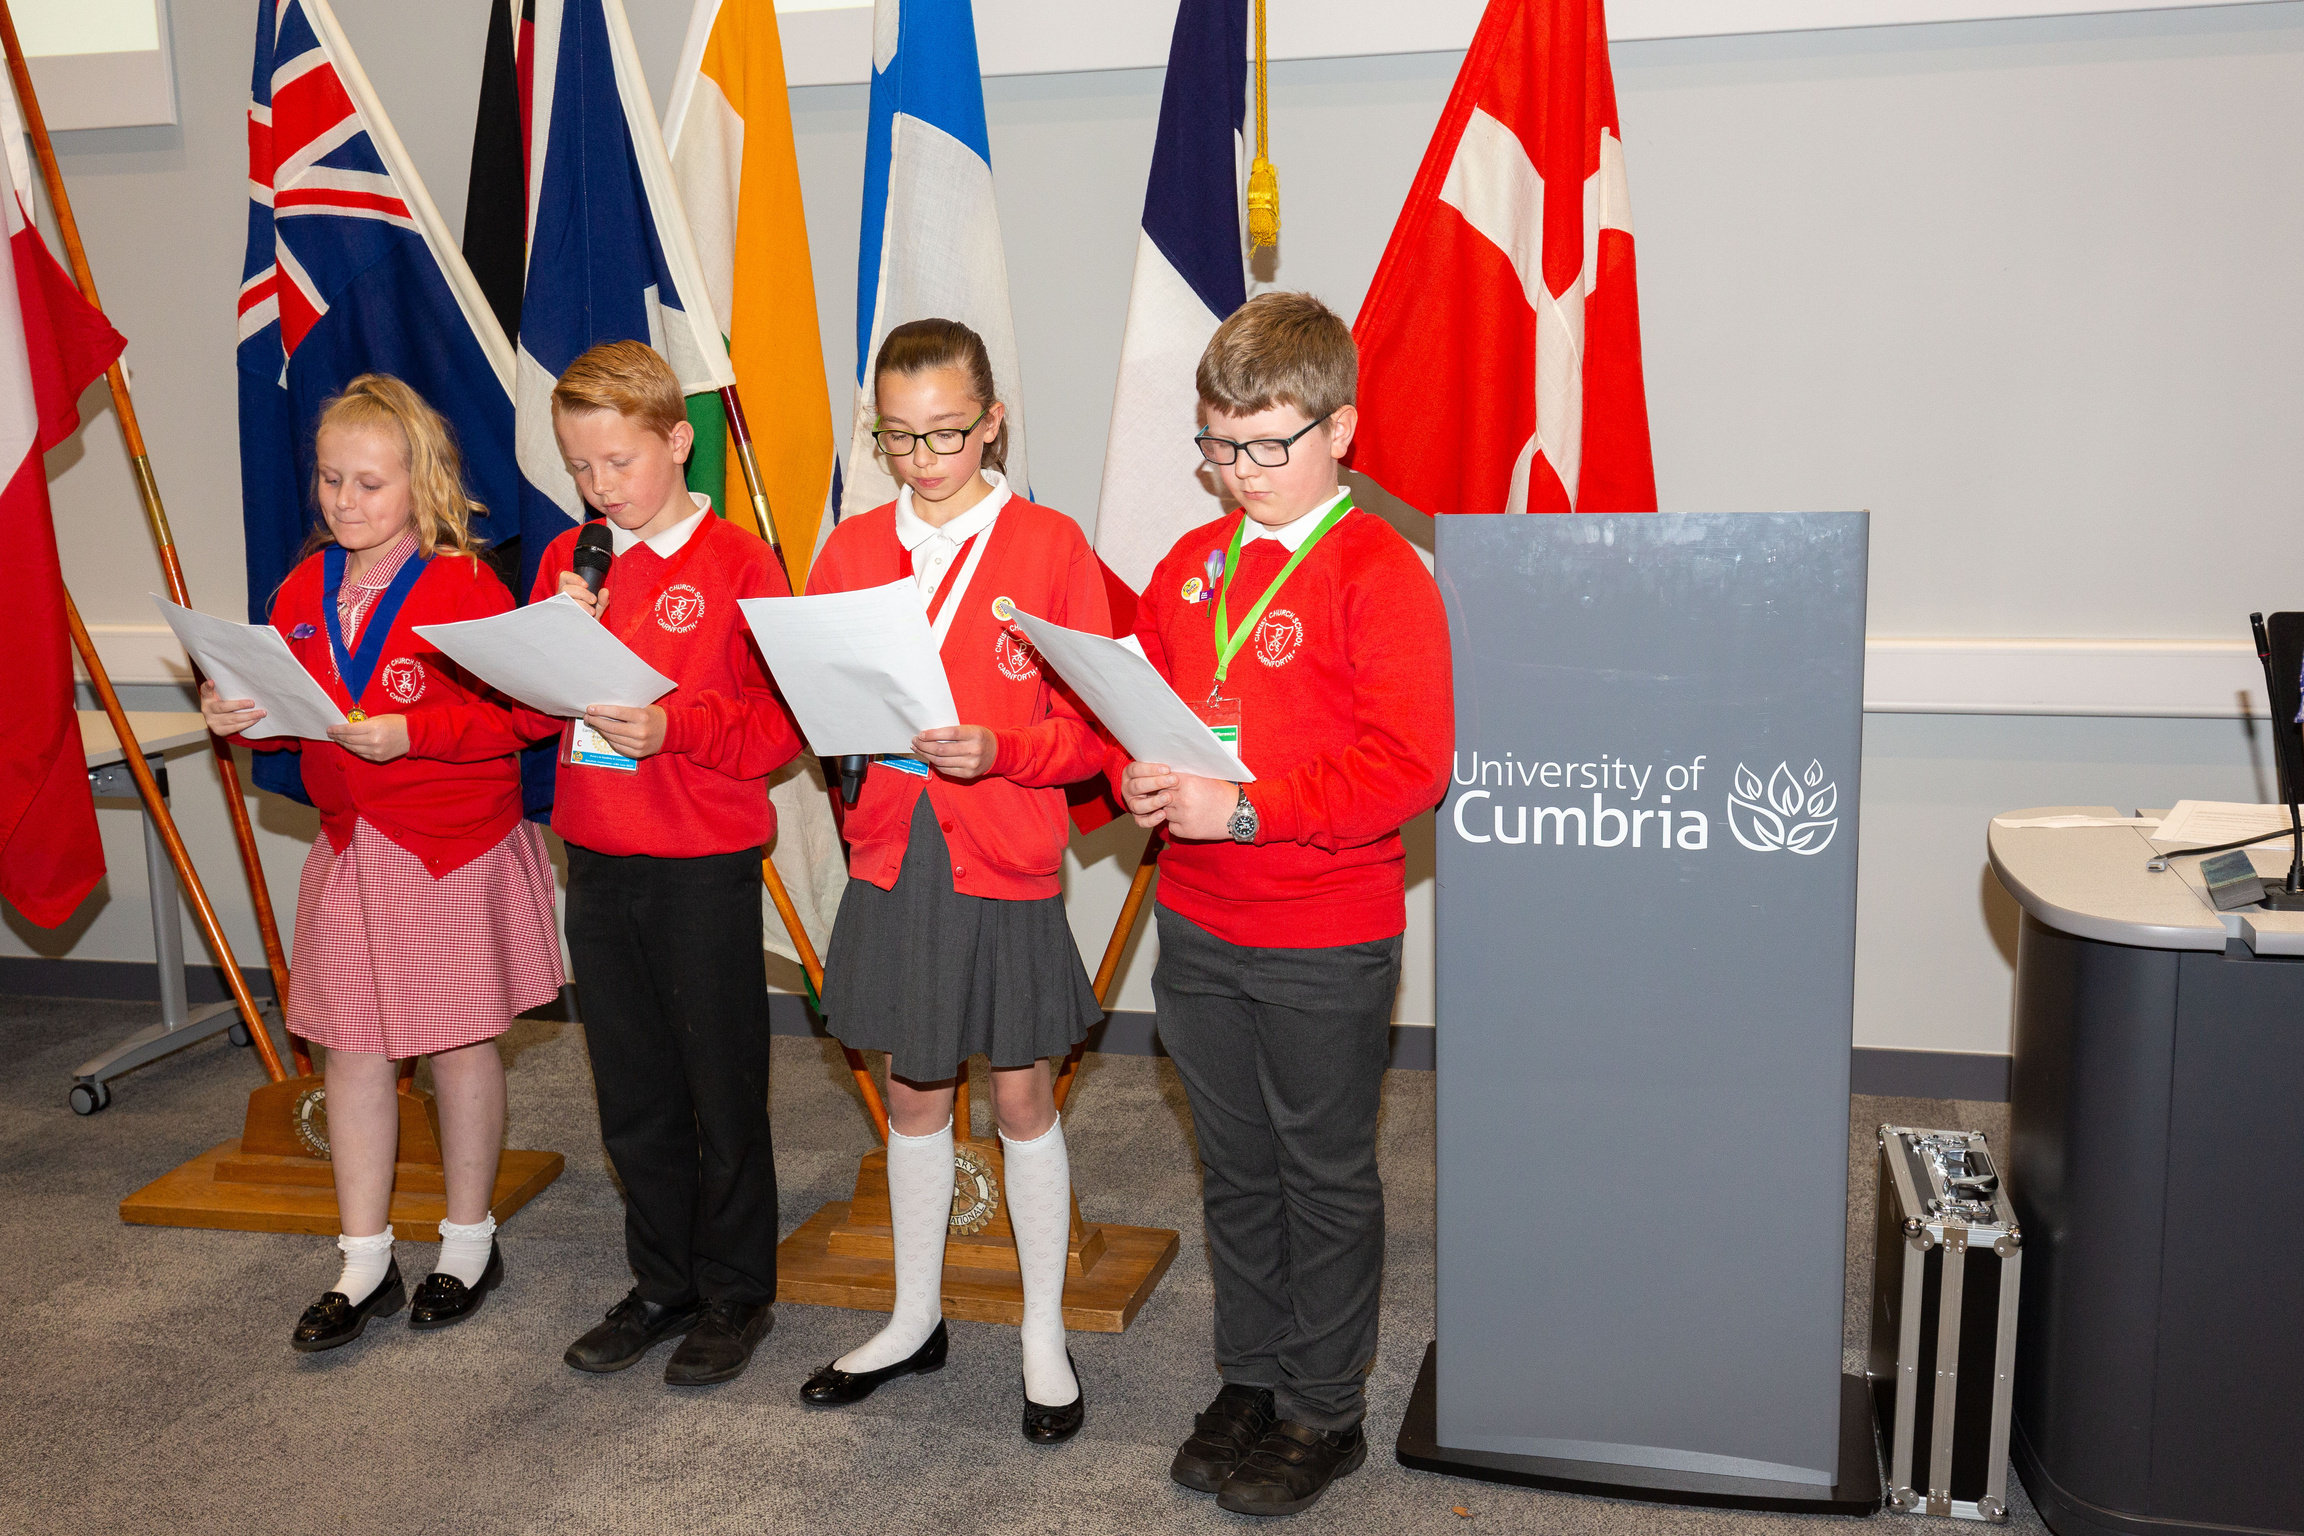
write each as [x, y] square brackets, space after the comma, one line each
[921, 346]
[440, 508]
[627, 377]
[1280, 349]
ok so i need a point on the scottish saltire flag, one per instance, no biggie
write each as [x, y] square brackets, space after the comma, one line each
[609, 253]
[930, 244]
[1191, 273]
[349, 271]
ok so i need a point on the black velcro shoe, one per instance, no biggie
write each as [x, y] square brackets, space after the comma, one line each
[1290, 1468]
[443, 1301]
[633, 1327]
[336, 1319]
[721, 1344]
[833, 1387]
[1223, 1436]
[1044, 1425]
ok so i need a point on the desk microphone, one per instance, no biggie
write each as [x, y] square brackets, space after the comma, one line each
[595, 552]
[851, 771]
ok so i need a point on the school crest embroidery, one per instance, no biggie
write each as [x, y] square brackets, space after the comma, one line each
[404, 679]
[1279, 636]
[1014, 656]
[678, 608]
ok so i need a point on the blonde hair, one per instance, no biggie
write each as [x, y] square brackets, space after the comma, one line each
[438, 503]
[628, 377]
[922, 346]
[1280, 349]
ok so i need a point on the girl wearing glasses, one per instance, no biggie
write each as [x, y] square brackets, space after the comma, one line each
[951, 940]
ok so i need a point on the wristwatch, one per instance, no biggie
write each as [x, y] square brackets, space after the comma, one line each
[1242, 826]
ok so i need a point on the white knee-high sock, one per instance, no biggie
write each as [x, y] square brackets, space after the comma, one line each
[365, 1261]
[464, 1249]
[1039, 1181]
[920, 1211]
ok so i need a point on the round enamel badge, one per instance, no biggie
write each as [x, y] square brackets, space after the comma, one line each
[1003, 609]
[1193, 589]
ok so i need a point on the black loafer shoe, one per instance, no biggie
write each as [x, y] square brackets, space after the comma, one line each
[1044, 1425]
[633, 1328]
[833, 1387]
[1223, 1436]
[1290, 1468]
[336, 1319]
[443, 1301]
[721, 1344]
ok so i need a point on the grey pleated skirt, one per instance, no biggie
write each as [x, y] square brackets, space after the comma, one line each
[934, 977]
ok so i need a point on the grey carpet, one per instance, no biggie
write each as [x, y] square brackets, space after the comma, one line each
[150, 1387]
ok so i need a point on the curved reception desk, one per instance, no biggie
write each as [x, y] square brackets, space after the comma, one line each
[2156, 1151]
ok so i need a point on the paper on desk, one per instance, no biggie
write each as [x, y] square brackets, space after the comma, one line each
[859, 669]
[2075, 821]
[2219, 821]
[552, 656]
[1134, 701]
[251, 661]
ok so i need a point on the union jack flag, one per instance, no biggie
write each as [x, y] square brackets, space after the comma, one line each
[349, 271]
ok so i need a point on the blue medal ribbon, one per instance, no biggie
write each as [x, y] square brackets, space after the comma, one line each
[357, 669]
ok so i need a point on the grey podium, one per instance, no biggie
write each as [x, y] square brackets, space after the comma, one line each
[1645, 982]
[2158, 1140]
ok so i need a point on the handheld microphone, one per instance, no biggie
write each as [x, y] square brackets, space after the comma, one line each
[851, 770]
[594, 554]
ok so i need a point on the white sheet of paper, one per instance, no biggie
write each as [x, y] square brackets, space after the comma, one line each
[1134, 701]
[859, 669]
[2219, 821]
[2061, 822]
[552, 656]
[251, 661]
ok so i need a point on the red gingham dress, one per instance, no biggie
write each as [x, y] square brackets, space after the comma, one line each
[392, 962]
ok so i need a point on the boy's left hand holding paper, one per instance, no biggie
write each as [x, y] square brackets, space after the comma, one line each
[1188, 805]
[636, 730]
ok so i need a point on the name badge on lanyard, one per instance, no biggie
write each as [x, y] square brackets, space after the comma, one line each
[1221, 714]
[587, 748]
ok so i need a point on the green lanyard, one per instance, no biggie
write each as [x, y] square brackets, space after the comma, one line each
[1226, 649]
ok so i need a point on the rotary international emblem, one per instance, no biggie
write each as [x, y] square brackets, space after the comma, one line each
[975, 1190]
[309, 1119]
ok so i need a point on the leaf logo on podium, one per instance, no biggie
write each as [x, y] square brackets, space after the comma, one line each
[1768, 817]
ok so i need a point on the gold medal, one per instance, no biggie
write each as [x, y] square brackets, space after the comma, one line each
[357, 715]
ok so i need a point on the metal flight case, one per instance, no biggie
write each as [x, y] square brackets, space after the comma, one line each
[1947, 1261]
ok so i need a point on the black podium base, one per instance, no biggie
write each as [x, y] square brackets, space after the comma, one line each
[1857, 1492]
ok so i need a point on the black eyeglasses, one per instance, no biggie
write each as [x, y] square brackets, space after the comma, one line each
[941, 440]
[1271, 452]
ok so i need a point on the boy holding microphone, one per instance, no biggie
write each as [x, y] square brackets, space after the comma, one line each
[1310, 635]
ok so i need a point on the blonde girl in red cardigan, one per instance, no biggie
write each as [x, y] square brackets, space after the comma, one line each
[424, 920]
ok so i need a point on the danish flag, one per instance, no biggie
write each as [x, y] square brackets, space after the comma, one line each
[1500, 340]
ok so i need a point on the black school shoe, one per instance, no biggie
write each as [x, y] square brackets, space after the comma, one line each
[1290, 1468]
[1223, 1436]
[633, 1327]
[833, 1387]
[721, 1344]
[336, 1319]
[1044, 1425]
[443, 1301]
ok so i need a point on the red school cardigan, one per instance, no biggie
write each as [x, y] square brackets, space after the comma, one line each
[456, 793]
[725, 730]
[1007, 828]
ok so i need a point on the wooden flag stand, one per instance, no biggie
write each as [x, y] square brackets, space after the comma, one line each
[845, 1254]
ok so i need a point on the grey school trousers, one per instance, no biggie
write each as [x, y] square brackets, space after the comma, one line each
[1282, 1054]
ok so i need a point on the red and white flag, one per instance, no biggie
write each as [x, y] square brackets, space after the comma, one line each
[1500, 340]
[53, 344]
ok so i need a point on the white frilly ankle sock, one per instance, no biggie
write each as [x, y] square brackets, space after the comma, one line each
[464, 1250]
[920, 1211]
[1038, 1177]
[365, 1261]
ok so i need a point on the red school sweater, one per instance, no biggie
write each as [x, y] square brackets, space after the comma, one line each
[456, 793]
[1347, 718]
[725, 730]
[1006, 829]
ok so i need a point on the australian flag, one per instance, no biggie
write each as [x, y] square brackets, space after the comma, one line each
[349, 271]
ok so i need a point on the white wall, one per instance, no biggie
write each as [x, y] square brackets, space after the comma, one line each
[2025, 289]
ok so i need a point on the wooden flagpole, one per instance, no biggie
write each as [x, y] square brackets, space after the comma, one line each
[156, 515]
[1109, 970]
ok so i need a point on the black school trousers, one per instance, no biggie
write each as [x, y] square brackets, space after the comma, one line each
[673, 991]
[1282, 1055]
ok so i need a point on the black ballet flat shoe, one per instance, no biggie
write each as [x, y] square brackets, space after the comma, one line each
[443, 1301]
[1044, 1425]
[833, 1387]
[1290, 1468]
[336, 1319]
[1222, 1437]
[632, 1328]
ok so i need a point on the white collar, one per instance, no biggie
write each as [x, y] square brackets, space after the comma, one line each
[913, 530]
[1292, 535]
[668, 543]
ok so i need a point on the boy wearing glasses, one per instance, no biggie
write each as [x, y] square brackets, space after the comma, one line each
[1309, 635]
